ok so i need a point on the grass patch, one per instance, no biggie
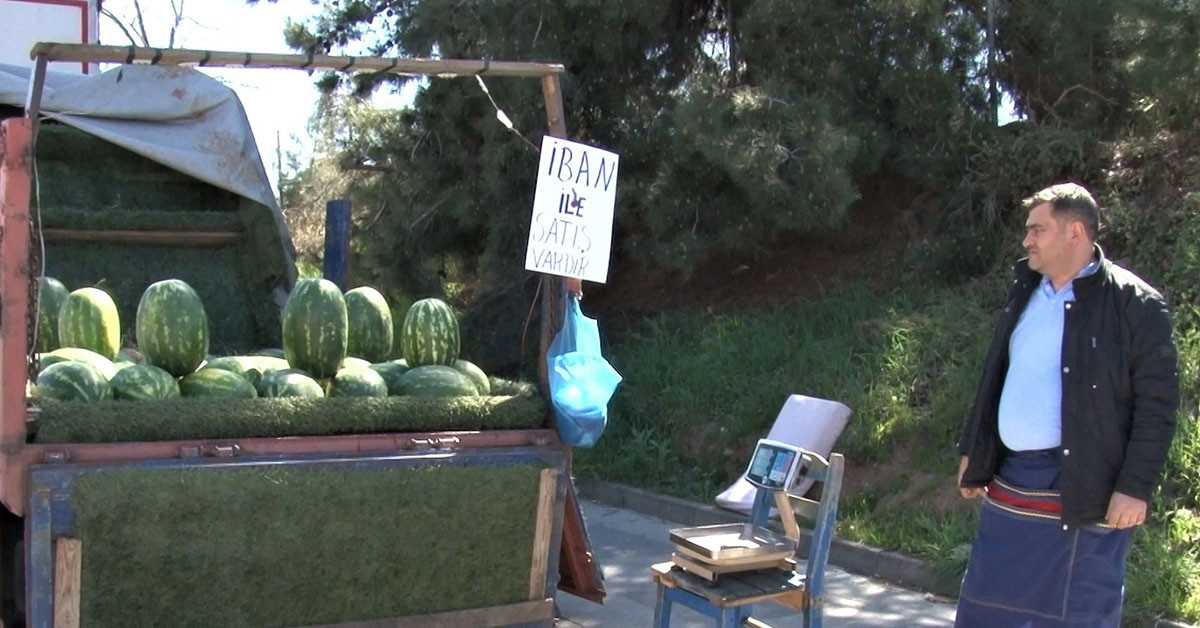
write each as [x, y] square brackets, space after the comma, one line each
[185, 419]
[266, 546]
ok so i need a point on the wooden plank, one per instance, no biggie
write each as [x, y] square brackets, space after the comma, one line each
[730, 562]
[693, 566]
[490, 617]
[805, 507]
[736, 589]
[547, 487]
[787, 516]
[163, 238]
[815, 466]
[685, 561]
[88, 53]
[16, 161]
[578, 572]
[68, 556]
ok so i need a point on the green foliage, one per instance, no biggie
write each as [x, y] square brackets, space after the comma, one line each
[902, 359]
[745, 164]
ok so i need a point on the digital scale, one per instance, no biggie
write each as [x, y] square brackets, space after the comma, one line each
[709, 551]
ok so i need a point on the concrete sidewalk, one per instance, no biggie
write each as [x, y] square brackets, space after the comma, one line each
[627, 543]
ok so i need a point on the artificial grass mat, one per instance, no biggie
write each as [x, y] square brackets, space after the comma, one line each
[181, 419]
[269, 546]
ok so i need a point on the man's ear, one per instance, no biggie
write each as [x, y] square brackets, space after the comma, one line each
[1077, 229]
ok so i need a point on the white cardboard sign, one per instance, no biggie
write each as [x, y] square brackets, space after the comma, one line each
[570, 233]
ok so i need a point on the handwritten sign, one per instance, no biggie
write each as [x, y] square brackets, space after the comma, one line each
[570, 233]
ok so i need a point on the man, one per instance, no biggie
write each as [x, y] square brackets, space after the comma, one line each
[1069, 431]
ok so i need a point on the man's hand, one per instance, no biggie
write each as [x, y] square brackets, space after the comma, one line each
[969, 492]
[1125, 511]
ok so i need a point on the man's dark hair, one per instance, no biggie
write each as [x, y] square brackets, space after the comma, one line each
[1070, 201]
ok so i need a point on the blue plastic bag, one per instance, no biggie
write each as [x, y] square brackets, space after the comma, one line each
[581, 380]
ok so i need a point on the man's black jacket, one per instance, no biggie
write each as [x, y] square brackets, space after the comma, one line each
[1120, 391]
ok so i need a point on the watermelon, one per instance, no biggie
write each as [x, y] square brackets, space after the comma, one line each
[130, 355]
[51, 296]
[390, 372]
[314, 327]
[144, 381]
[430, 334]
[103, 365]
[240, 363]
[216, 383]
[476, 374]
[437, 381]
[357, 381]
[89, 320]
[370, 333]
[251, 367]
[271, 352]
[289, 383]
[72, 381]
[172, 327]
[356, 363]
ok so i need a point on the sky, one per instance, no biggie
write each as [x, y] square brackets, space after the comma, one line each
[278, 102]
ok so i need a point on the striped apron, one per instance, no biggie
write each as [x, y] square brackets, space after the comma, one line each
[1025, 571]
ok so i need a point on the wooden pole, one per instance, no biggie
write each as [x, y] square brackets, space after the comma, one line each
[89, 53]
[157, 238]
[552, 287]
[16, 160]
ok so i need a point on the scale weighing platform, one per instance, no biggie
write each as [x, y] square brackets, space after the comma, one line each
[709, 551]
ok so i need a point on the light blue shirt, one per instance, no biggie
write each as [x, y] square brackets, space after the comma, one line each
[1030, 413]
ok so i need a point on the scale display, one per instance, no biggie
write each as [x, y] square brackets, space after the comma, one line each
[774, 465]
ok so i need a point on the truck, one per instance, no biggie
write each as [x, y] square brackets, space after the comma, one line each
[258, 512]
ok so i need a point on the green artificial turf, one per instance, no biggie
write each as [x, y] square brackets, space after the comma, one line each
[269, 546]
[178, 419]
[86, 183]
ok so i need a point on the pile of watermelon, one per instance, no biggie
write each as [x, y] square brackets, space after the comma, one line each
[334, 344]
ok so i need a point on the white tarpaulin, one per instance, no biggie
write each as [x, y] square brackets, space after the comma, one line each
[173, 115]
[805, 422]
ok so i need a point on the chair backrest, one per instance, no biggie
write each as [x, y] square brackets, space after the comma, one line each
[822, 512]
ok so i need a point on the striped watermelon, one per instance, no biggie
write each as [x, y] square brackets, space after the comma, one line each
[390, 372]
[357, 382]
[476, 374]
[252, 367]
[172, 327]
[129, 355]
[72, 381]
[216, 383]
[89, 320]
[51, 296]
[314, 327]
[144, 381]
[437, 381]
[370, 333]
[271, 352]
[430, 334]
[289, 383]
[103, 365]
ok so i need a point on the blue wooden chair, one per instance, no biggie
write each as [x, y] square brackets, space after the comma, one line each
[727, 597]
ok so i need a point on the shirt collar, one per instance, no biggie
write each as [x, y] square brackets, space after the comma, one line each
[1090, 269]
